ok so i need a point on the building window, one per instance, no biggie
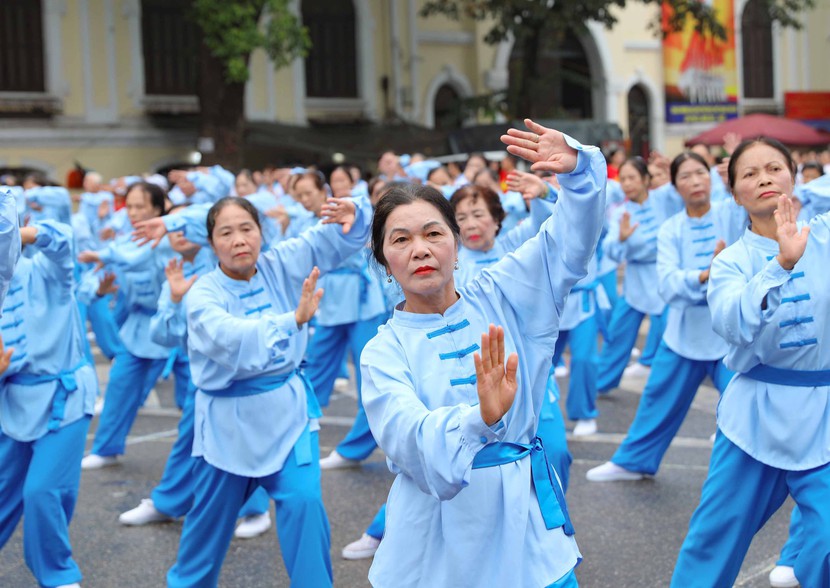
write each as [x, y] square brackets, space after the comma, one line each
[170, 45]
[756, 31]
[331, 65]
[638, 121]
[447, 108]
[21, 46]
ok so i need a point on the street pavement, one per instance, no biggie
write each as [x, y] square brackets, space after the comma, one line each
[629, 532]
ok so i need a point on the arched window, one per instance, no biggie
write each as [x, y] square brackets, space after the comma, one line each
[639, 129]
[447, 108]
[756, 31]
[331, 65]
[21, 46]
[170, 42]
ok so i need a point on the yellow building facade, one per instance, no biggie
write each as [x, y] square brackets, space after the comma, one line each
[93, 101]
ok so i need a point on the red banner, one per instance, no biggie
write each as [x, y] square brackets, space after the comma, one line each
[807, 105]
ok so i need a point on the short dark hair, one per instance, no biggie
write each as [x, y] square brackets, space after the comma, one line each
[400, 194]
[223, 203]
[156, 194]
[638, 163]
[491, 200]
[769, 142]
[682, 158]
[814, 165]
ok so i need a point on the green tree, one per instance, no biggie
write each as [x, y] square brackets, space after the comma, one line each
[230, 31]
[545, 24]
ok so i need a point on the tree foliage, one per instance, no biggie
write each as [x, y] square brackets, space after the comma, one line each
[232, 31]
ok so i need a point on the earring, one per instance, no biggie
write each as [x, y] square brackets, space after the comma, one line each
[456, 264]
[388, 278]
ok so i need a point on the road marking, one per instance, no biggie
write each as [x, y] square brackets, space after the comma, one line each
[152, 437]
[617, 439]
[663, 466]
[755, 573]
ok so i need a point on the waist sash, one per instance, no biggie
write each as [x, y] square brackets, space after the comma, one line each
[66, 385]
[548, 491]
[785, 377]
[589, 290]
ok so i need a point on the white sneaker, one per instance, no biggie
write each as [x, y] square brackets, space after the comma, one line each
[99, 406]
[96, 462]
[712, 438]
[253, 526]
[585, 427]
[611, 472]
[635, 353]
[143, 514]
[75, 585]
[561, 371]
[636, 370]
[364, 547]
[783, 577]
[341, 385]
[335, 461]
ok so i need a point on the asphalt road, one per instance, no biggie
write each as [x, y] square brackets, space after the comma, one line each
[629, 533]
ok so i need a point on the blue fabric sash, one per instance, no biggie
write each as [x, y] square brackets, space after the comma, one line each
[172, 358]
[548, 491]
[589, 290]
[67, 384]
[263, 384]
[785, 377]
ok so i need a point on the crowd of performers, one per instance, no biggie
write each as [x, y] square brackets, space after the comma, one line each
[455, 291]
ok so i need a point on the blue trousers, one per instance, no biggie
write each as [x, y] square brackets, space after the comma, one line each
[609, 282]
[582, 385]
[622, 335]
[126, 392]
[566, 581]
[666, 400]
[174, 494]
[302, 524]
[551, 430]
[39, 480]
[378, 524]
[104, 326]
[792, 547]
[328, 348]
[738, 497]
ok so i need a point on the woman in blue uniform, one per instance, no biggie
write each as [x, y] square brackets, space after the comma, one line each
[690, 350]
[247, 334]
[46, 399]
[769, 294]
[457, 420]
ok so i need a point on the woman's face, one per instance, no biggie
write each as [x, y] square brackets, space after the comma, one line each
[377, 191]
[236, 240]
[245, 186]
[810, 174]
[659, 177]
[139, 206]
[693, 182]
[761, 176]
[341, 184]
[478, 227]
[632, 183]
[420, 249]
[309, 195]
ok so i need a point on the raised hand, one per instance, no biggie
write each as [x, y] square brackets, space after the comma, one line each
[626, 228]
[179, 285]
[719, 247]
[107, 234]
[28, 235]
[103, 210]
[545, 148]
[495, 380]
[791, 242]
[5, 357]
[279, 214]
[309, 298]
[731, 142]
[107, 285]
[89, 257]
[530, 186]
[339, 211]
[151, 230]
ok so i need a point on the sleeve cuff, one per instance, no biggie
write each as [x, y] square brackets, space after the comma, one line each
[474, 431]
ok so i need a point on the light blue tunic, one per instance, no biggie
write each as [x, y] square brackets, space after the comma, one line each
[781, 319]
[246, 329]
[685, 247]
[639, 251]
[447, 524]
[814, 196]
[42, 323]
[9, 242]
[354, 292]
[55, 202]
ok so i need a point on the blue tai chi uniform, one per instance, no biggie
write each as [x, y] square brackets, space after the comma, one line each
[255, 414]
[46, 402]
[690, 349]
[465, 499]
[9, 242]
[773, 437]
[640, 296]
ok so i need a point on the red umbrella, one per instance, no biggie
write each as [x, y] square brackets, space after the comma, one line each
[788, 131]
